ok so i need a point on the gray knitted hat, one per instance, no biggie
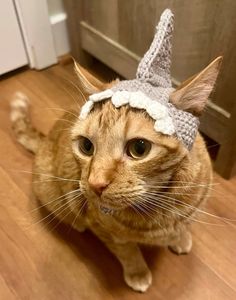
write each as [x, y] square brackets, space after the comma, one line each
[151, 88]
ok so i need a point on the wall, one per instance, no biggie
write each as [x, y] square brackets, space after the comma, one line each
[59, 28]
[55, 7]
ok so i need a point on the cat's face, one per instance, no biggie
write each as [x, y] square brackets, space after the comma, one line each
[122, 158]
[123, 161]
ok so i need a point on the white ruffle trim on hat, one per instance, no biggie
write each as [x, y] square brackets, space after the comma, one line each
[101, 96]
[165, 126]
[120, 98]
[156, 110]
[87, 107]
[85, 110]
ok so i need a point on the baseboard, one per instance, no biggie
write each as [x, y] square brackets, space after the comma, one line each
[60, 34]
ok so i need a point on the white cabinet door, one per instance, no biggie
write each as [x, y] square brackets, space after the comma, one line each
[12, 50]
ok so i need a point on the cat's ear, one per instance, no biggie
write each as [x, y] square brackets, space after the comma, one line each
[192, 94]
[87, 81]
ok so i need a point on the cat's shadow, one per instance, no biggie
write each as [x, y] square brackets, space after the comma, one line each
[97, 258]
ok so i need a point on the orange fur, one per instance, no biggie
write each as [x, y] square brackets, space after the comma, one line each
[152, 199]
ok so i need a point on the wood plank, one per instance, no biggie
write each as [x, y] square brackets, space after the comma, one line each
[5, 291]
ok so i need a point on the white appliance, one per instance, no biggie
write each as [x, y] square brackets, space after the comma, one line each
[12, 50]
[29, 35]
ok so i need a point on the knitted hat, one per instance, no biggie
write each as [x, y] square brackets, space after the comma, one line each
[151, 88]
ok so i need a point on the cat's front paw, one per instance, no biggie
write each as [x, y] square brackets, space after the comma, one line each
[139, 281]
[184, 245]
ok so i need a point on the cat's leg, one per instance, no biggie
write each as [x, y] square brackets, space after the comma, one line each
[136, 272]
[182, 244]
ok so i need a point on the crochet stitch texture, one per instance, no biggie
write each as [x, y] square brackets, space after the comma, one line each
[151, 89]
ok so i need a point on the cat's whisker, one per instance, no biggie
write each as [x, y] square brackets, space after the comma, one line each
[65, 120]
[128, 201]
[136, 208]
[184, 182]
[47, 175]
[180, 203]
[54, 200]
[177, 194]
[79, 212]
[55, 217]
[170, 193]
[64, 129]
[167, 207]
[181, 193]
[174, 210]
[151, 213]
[208, 185]
[147, 207]
[63, 218]
[165, 201]
[62, 109]
[48, 180]
[155, 203]
[183, 188]
[59, 221]
[78, 89]
[64, 206]
[140, 207]
[76, 101]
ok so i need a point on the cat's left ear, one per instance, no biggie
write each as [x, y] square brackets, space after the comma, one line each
[192, 94]
[89, 83]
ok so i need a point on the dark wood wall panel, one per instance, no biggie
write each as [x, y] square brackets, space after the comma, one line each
[203, 30]
[102, 15]
[223, 41]
[118, 32]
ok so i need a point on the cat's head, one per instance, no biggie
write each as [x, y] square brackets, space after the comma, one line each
[122, 158]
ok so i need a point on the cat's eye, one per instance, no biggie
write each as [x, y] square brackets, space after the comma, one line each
[138, 148]
[85, 146]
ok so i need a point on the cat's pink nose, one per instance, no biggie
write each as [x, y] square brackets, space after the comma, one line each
[98, 186]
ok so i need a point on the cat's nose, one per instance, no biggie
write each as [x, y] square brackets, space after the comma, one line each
[98, 186]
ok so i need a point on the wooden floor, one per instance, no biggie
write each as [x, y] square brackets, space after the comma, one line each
[38, 262]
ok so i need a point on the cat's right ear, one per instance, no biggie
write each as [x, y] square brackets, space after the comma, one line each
[192, 95]
[88, 83]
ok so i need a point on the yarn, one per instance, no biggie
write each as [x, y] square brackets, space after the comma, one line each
[151, 89]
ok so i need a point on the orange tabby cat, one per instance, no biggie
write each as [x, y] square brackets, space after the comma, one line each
[115, 175]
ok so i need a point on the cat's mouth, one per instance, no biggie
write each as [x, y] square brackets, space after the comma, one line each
[106, 206]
